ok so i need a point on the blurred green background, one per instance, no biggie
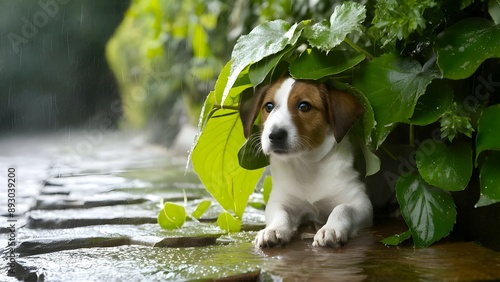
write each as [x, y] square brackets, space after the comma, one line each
[142, 64]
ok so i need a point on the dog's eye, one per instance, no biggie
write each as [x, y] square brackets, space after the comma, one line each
[269, 107]
[304, 107]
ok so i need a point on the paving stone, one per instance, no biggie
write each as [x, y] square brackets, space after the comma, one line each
[130, 214]
[99, 200]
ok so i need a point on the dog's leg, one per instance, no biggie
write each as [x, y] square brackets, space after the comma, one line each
[344, 222]
[280, 227]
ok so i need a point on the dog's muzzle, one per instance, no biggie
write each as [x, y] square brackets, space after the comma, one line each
[279, 140]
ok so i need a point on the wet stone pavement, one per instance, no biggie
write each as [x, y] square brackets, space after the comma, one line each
[86, 209]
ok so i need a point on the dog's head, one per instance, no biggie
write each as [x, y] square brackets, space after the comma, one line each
[299, 115]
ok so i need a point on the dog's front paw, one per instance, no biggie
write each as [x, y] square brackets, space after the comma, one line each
[329, 237]
[268, 238]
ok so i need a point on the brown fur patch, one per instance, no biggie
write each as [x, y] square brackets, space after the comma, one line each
[312, 125]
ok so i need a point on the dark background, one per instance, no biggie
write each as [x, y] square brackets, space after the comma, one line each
[53, 71]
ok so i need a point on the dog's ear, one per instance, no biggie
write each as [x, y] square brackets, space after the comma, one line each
[343, 112]
[249, 107]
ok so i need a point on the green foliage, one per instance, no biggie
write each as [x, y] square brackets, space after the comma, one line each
[488, 134]
[490, 180]
[346, 19]
[407, 62]
[431, 106]
[398, 86]
[488, 130]
[465, 45]
[390, 81]
[449, 168]
[397, 20]
[270, 37]
[429, 211]
[452, 124]
[314, 64]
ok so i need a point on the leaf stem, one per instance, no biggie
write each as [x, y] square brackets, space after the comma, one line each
[359, 49]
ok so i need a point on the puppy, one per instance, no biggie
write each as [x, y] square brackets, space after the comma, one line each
[304, 128]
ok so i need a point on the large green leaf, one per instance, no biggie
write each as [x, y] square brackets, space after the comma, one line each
[429, 211]
[465, 45]
[393, 86]
[437, 99]
[449, 168]
[264, 40]
[345, 19]
[314, 64]
[489, 179]
[213, 102]
[215, 160]
[488, 130]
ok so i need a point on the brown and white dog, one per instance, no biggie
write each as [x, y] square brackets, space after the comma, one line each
[304, 133]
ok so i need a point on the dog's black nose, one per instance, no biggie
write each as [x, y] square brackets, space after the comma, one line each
[278, 135]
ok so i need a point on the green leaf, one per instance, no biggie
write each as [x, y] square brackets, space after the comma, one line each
[465, 46]
[429, 211]
[262, 68]
[448, 168]
[345, 19]
[437, 99]
[267, 188]
[264, 40]
[250, 155]
[394, 83]
[212, 99]
[397, 239]
[172, 216]
[228, 223]
[201, 209]
[489, 179]
[314, 64]
[372, 161]
[399, 19]
[215, 160]
[488, 130]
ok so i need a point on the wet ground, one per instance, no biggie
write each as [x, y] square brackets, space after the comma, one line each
[86, 208]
